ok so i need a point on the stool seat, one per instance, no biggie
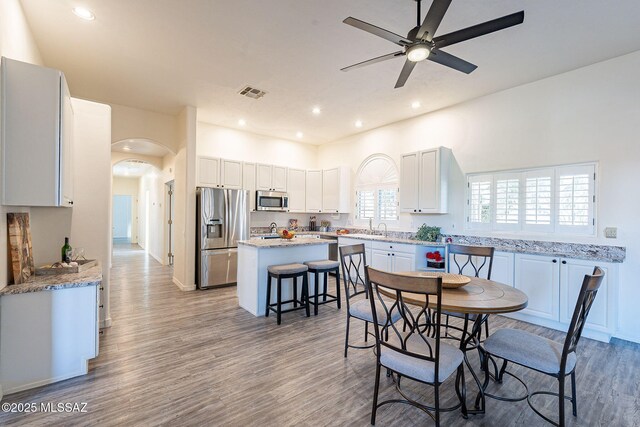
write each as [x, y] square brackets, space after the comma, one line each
[326, 264]
[287, 268]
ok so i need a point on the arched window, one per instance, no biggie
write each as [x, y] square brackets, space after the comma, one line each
[377, 189]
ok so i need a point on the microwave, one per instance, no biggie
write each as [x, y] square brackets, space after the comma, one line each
[272, 201]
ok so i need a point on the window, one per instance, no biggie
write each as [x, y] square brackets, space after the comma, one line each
[377, 190]
[557, 199]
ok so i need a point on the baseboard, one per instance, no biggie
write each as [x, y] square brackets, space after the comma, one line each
[82, 371]
[182, 286]
[106, 323]
[558, 326]
[156, 258]
[625, 337]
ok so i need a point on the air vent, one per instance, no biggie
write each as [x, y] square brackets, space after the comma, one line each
[252, 92]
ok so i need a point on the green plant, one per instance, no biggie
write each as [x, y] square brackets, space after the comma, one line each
[428, 233]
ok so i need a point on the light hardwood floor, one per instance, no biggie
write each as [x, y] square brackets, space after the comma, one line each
[196, 358]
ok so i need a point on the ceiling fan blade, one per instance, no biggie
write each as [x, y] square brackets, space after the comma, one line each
[480, 29]
[373, 60]
[404, 74]
[433, 19]
[451, 61]
[377, 31]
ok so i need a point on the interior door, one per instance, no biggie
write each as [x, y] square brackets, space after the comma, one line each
[121, 216]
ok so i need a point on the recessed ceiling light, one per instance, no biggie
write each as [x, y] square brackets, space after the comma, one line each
[358, 123]
[126, 173]
[242, 122]
[126, 148]
[84, 13]
[415, 104]
[316, 110]
[299, 134]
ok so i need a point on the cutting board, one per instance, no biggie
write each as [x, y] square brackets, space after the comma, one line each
[20, 247]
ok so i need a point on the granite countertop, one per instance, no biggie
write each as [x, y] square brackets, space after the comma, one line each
[90, 277]
[390, 239]
[283, 243]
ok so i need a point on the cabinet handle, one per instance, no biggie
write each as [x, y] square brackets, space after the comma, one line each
[102, 288]
[101, 332]
[554, 261]
[388, 254]
[564, 262]
[419, 210]
[101, 306]
[415, 210]
[393, 254]
[70, 202]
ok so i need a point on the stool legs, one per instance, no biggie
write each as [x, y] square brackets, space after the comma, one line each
[325, 291]
[279, 290]
[315, 297]
[298, 303]
[266, 311]
[338, 286]
[305, 290]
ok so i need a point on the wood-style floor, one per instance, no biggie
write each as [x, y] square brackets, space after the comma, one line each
[196, 358]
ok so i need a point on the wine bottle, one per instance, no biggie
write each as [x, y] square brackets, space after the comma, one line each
[66, 251]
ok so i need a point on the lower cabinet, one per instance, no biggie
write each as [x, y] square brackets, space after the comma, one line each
[539, 278]
[393, 257]
[348, 241]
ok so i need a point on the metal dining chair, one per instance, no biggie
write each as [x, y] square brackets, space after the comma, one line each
[413, 352]
[541, 354]
[353, 259]
[472, 261]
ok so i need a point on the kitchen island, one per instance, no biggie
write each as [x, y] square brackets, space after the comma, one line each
[255, 255]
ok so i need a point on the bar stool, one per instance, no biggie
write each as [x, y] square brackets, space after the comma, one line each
[324, 267]
[287, 271]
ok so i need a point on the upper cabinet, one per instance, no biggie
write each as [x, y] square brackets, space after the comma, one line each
[37, 126]
[336, 190]
[271, 178]
[296, 187]
[249, 183]
[424, 179]
[313, 194]
[221, 173]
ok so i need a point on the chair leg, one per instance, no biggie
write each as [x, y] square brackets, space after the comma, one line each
[486, 328]
[436, 398]
[295, 291]
[574, 402]
[266, 312]
[324, 294]
[561, 401]
[315, 298]
[346, 338]
[366, 330]
[279, 301]
[374, 407]
[305, 290]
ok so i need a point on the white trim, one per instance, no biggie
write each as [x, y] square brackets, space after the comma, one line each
[181, 286]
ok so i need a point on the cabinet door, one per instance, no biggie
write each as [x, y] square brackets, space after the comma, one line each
[313, 194]
[330, 190]
[409, 167]
[296, 187]
[502, 270]
[231, 174]
[66, 140]
[572, 272]
[249, 183]
[263, 177]
[208, 172]
[279, 178]
[380, 260]
[538, 277]
[429, 182]
[403, 262]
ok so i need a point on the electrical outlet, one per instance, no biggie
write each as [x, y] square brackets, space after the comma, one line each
[611, 232]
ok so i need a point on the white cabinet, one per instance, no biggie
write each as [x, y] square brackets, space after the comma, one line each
[601, 317]
[349, 241]
[503, 267]
[271, 178]
[539, 278]
[37, 136]
[393, 257]
[208, 172]
[381, 260]
[336, 190]
[313, 192]
[249, 183]
[424, 180]
[220, 173]
[296, 188]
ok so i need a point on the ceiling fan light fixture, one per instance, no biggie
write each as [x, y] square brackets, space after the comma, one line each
[417, 53]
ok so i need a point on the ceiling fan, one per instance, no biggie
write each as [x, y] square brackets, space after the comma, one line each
[420, 43]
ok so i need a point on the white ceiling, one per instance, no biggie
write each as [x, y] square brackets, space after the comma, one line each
[131, 169]
[160, 55]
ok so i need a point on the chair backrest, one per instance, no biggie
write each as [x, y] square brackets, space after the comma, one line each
[422, 325]
[353, 261]
[475, 257]
[590, 285]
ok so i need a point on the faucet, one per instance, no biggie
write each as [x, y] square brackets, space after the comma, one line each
[370, 224]
[385, 228]
[274, 227]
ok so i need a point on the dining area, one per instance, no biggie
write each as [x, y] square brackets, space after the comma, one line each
[441, 354]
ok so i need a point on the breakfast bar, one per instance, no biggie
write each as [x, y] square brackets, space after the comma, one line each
[255, 255]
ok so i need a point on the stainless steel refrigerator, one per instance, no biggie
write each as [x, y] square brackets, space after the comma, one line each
[222, 220]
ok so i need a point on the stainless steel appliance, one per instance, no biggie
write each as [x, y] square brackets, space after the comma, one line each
[272, 201]
[222, 218]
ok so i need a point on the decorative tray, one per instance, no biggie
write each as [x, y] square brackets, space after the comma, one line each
[56, 268]
[449, 280]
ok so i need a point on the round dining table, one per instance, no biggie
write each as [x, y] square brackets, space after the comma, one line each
[476, 300]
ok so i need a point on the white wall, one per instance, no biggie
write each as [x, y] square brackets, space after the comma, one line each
[592, 113]
[129, 187]
[129, 122]
[152, 213]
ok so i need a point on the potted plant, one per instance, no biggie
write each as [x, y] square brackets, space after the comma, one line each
[428, 233]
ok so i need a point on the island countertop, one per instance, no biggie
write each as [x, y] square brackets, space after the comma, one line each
[90, 277]
[282, 243]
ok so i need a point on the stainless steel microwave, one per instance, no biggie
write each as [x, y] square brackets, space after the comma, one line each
[272, 201]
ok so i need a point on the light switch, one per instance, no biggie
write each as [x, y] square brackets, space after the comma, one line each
[611, 232]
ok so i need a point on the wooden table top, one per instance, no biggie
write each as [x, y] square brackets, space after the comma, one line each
[480, 296]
